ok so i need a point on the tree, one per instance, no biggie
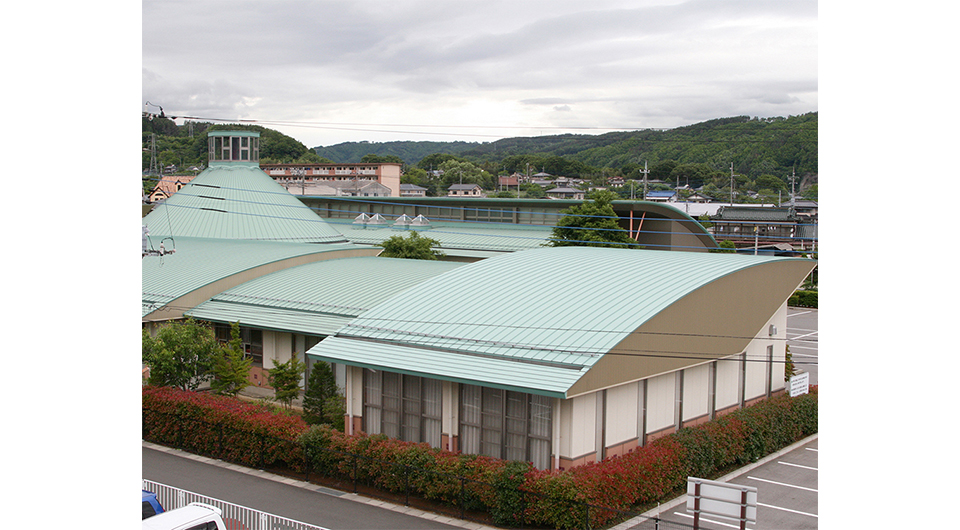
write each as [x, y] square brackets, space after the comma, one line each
[285, 379]
[181, 355]
[322, 402]
[591, 224]
[413, 247]
[232, 368]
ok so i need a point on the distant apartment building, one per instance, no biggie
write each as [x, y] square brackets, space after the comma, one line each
[309, 175]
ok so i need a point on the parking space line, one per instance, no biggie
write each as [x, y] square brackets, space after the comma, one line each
[815, 450]
[798, 465]
[798, 314]
[798, 337]
[705, 520]
[785, 509]
[782, 484]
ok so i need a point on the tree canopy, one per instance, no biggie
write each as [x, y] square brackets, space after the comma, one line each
[413, 246]
[592, 223]
[181, 355]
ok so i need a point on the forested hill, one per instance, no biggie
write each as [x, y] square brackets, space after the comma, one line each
[754, 146]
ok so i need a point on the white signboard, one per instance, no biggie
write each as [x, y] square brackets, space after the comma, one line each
[799, 384]
[729, 501]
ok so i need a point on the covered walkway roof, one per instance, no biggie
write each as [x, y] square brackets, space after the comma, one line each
[318, 298]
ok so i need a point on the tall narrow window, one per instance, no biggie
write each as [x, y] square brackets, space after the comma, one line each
[400, 406]
[506, 424]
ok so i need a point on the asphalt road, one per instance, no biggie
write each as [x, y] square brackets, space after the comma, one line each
[802, 334]
[288, 501]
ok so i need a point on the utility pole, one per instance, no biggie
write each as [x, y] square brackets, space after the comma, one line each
[793, 179]
[731, 183]
[644, 181]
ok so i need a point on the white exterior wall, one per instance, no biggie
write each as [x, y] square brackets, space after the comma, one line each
[277, 345]
[661, 401]
[450, 409]
[756, 381]
[728, 382]
[622, 410]
[696, 392]
[578, 429]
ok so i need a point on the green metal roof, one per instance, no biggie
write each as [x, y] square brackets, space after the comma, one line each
[539, 319]
[238, 202]
[201, 261]
[454, 237]
[318, 298]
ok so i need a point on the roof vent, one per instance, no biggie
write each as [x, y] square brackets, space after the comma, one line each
[402, 222]
[420, 221]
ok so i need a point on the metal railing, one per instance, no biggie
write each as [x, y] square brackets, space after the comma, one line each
[235, 516]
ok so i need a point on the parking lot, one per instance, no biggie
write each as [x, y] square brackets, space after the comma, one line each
[787, 492]
[802, 335]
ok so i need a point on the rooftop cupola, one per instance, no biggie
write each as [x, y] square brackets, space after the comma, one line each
[234, 148]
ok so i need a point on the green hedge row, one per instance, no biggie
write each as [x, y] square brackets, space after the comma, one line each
[803, 299]
[512, 493]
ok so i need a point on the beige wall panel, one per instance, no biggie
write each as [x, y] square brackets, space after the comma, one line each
[661, 402]
[355, 395]
[717, 320]
[621, 413]
[756, 384]
[696, 391]
[582, 434]
[450, 412]
[728, 382]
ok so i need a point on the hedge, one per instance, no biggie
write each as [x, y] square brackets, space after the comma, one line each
[803, 299]
[512, 493]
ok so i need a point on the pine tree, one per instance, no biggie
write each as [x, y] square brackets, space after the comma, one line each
[285, 379]
[322, 402]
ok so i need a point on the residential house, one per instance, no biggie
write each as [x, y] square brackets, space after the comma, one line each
[465, 190]
[412, 190]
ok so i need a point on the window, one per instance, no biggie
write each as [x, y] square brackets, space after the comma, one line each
[506, 424]
[402, 406]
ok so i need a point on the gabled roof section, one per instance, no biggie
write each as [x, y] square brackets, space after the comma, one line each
[318, 298]
[238, 202]
[201, 268]
[509, 312]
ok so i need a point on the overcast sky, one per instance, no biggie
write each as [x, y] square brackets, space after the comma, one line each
[327, 72]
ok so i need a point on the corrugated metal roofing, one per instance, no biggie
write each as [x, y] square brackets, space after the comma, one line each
[200, 261]
[454, 237]
[318, 298]
[238, 202]
[532, 311]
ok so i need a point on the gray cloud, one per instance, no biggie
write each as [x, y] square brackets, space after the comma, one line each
[530, 64]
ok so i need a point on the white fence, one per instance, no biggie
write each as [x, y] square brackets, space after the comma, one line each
[236, 517]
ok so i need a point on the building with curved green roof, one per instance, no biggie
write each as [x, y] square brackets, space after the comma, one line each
[568, 334]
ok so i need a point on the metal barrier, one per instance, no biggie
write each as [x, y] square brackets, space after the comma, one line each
[235, 516]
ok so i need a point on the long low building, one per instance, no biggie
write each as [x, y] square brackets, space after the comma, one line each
[559, 356]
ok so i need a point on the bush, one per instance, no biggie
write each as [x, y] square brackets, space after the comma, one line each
[803, 299]
[513, 493]
[231, 429]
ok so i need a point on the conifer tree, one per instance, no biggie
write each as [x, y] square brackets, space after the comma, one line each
[232, 368]
[321, 400]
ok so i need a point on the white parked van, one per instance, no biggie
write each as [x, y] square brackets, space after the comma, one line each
[194, 516]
